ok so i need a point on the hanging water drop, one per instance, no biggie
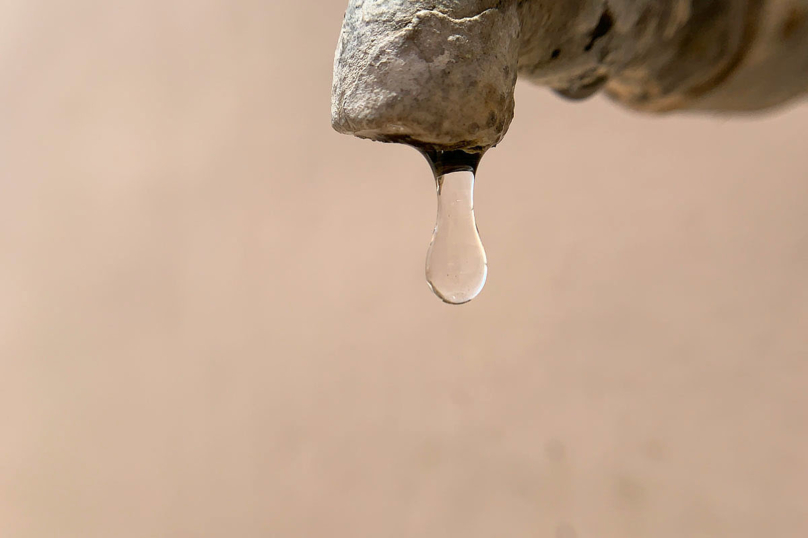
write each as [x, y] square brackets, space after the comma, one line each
[456, 264]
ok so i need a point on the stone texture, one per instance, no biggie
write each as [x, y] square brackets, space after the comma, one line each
[441, 73]
[432, 75]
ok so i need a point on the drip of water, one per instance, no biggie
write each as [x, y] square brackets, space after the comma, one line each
[456, 264]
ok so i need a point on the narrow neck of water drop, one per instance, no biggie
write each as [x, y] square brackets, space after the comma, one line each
[456, 265]
[446, 162]
[456, 198]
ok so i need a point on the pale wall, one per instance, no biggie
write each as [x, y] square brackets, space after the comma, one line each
[214, 322]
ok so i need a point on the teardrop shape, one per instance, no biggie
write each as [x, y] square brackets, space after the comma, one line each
[456, 264]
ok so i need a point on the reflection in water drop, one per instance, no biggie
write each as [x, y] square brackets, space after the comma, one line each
[456, 265]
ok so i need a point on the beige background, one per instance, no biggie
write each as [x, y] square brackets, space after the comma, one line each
[214, 322]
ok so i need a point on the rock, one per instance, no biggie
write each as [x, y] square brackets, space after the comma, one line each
[440, 74]
[427, 73]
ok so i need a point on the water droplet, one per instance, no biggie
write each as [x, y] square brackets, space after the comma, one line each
[456, 265]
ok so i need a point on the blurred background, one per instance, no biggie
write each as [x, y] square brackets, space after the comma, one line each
[214, 319]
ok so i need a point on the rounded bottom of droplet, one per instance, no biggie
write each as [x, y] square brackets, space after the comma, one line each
[452, 300]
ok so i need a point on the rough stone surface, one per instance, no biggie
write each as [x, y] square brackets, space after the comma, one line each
[428, 73]
[441, 73]
[727, 56]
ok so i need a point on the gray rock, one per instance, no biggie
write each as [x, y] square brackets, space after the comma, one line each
[427, 73]
[440, 74]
